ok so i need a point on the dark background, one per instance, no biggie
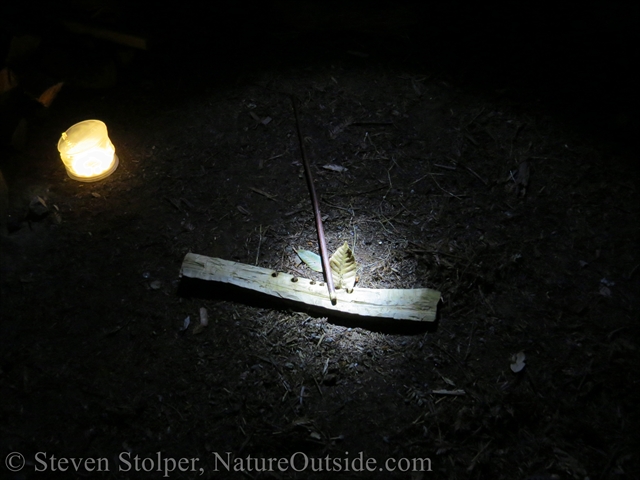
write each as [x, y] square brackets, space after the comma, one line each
[577, 60]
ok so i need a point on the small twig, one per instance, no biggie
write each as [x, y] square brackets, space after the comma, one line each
[393, 162]
[382, 225]
[175, 203]
[350, 210]
[353, 250]
[464, 371]
[421, 178]
[474, 118]
[259, 243]
[584, 376]
[424, 176]
[174, 408]
[449, 193]
[318, 387]
[271, 362]
[263, 193]
[470, 170]
[293, 212]
[368, 124]
[390, 184]
[466, 355]
[433, 252]
[470, 138]
[356, 193]
[480, 452]
[448, 167]
[478, 176]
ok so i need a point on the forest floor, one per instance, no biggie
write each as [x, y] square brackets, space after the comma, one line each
[524, 221]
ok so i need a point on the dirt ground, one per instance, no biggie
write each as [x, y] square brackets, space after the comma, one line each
[484, 164]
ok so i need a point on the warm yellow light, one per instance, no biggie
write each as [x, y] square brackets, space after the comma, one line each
[86, 151]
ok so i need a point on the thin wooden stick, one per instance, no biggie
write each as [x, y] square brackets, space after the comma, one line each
[316, 210]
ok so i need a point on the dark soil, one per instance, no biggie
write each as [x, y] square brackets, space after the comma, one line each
[489, 155]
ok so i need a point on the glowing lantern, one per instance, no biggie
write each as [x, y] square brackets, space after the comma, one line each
[87, 152]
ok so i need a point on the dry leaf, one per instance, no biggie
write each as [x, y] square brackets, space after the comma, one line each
[313, 260]
[48, 96]
[343, 266]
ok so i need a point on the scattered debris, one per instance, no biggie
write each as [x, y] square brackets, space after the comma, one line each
[263, 193]
[519, 181]
[607, 283]
[204, 321]
[243, 210]
[355, 53]
[335, 168]
[185, 324]
[604, 291]
[38, 207]
[518, 362]
[263, 121]
[455, 392]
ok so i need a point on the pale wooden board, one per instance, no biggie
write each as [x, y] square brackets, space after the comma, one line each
[417, 304]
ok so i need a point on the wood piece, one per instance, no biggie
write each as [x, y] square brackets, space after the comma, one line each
[316, 209]
[417, 304]
[107, 34]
